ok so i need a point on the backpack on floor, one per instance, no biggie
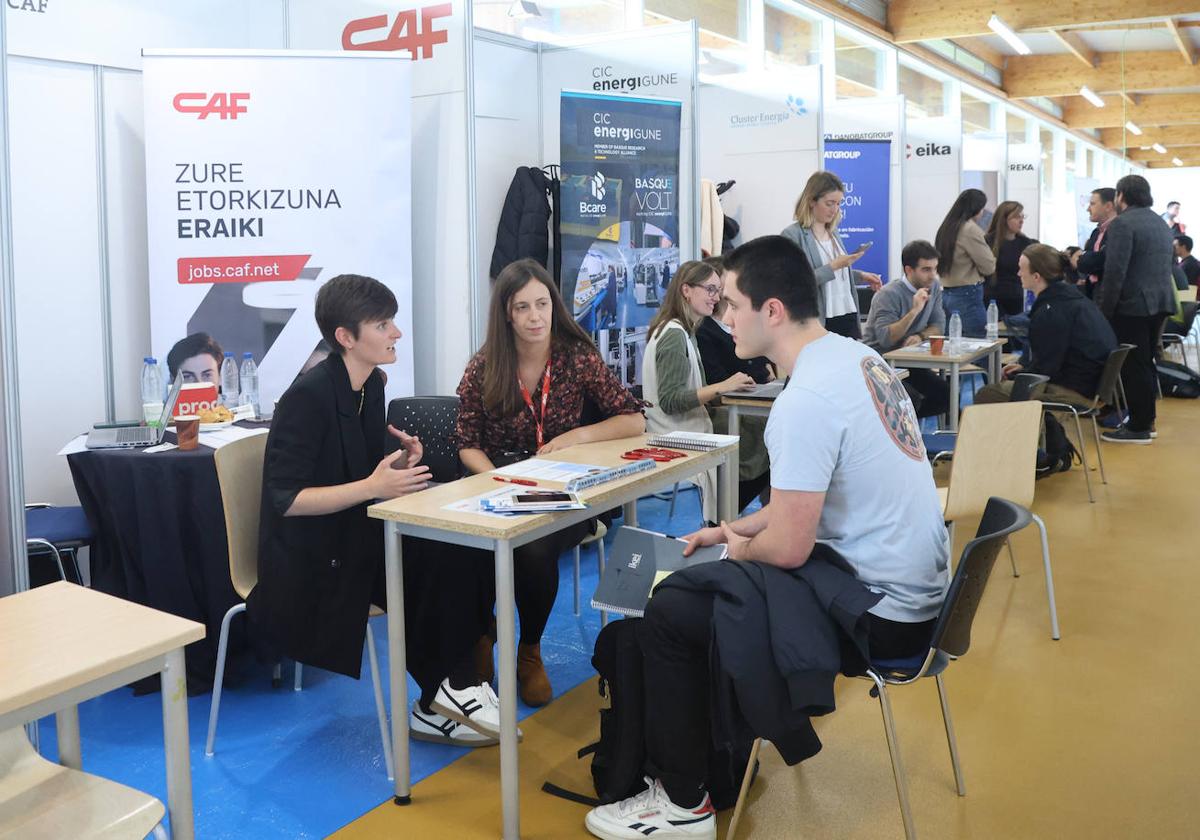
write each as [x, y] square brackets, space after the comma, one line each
[1177, 380]
[619, 757]
[1059, 453]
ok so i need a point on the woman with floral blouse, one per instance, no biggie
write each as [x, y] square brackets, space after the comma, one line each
[522, 394]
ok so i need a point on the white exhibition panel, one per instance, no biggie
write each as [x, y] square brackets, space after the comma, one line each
[933, 150]
[875, 118]
[1083, 197]
[56, 265]
[657, 62]
[762, 130]
[1025, 183]
[507, 135]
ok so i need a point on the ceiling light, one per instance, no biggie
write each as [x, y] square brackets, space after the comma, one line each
[1158, 147]
[1011, 38]
[1132, 126]
[1090, 95]
[524, 9]
[1177, 161]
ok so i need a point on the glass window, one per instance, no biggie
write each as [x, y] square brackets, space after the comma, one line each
[583, 18]
[1070, 155]
[924, 96]
[858, 67]
[976, 115]
[791, 38]
[1046, 141]
[720, 17]
[1015, 127]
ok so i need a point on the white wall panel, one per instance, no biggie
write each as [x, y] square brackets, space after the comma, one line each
[56, 265]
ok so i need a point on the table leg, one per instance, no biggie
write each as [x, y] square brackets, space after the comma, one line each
[629, 513]
[175, 737]
[954, 398]
[506, 640]
[997, 367]
[727, 487]
[66, 724]
[397, 657]
[735, 420]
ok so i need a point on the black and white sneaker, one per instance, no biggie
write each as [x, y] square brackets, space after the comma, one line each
[476, 706]
[651, 813]
[439, 729]
[1126, 435]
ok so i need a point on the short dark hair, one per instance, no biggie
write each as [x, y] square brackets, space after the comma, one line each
[775, 267]
[1184, 240]
[1135, 190]
[347, 301]
[1171, 204]
[194, 345]
[917, 250]
[1107, 194]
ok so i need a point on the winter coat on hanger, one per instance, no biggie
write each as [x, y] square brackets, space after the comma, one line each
[524, 229]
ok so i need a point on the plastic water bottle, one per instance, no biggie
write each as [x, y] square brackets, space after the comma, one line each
[229, 382]
[249, 374]
[955, 332]
[152, 391]
[993, 321]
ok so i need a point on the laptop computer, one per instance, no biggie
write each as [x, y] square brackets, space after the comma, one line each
[128, 437]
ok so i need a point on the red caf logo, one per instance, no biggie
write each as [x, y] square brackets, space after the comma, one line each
[225, 105]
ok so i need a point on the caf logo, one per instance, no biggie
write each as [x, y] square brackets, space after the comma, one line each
[928, 150]
[597, 183]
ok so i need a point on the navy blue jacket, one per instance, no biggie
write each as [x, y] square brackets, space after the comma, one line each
[1069, 339]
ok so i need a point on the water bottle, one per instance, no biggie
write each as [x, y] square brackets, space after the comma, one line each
[955, 333]
[152, 391]
[249, 375]
[993, 321]
[229, 382]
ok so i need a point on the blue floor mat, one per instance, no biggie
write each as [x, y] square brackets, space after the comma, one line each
[303, 764]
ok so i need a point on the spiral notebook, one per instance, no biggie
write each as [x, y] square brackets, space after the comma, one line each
[692, 440]
[638, 562]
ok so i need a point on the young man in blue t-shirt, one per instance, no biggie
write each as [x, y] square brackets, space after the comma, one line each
[848, 476]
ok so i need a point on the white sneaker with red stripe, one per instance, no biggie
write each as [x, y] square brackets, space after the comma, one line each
[651, 813]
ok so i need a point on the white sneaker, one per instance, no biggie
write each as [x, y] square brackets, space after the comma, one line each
[439, 729]
[652, 814]
[477, 707]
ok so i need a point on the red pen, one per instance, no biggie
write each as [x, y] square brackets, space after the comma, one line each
[524, 481]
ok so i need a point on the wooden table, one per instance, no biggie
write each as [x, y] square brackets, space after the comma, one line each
[759, 406]
[64, 644]
[918, 356]
[422, 515]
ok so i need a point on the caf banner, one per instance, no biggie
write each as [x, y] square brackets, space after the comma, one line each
[864, 167]
[267, 175]
[620, 217]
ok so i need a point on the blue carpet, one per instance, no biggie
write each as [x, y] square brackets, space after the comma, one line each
[303, 764]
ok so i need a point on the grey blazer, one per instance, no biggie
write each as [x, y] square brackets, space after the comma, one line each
[803, 237]
[1137, 266]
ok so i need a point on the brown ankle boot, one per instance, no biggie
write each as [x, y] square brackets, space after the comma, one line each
[485, 663]
[533, 683]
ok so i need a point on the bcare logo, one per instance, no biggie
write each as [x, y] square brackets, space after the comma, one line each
[928, 150]
[225, 105]
[597, 183]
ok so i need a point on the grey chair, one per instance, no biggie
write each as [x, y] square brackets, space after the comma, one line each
[951, 640]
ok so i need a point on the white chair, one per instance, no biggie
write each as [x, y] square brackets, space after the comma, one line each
[41, 800]
[239, 473]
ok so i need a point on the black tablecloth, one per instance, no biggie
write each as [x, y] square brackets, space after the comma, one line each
[160, 540]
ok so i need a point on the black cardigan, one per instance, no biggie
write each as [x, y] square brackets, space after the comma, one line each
[719, 358]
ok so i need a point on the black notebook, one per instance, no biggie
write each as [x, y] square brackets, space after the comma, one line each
[637, 562]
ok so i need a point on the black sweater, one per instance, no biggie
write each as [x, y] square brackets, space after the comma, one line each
[1069, 339]
[719, 358]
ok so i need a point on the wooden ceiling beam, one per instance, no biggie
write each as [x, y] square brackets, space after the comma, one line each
[1149, 155]
[1027, 76]
[1162, 109]
[1073, 42]
[922, 20]
[1182, 41]
[1168, 135]
[1168, 164]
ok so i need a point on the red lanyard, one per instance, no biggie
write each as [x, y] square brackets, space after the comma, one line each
[538, 422]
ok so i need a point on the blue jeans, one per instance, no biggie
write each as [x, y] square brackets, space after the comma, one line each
[968, 300]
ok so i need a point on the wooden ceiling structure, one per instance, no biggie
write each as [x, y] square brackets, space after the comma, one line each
[1155, 84]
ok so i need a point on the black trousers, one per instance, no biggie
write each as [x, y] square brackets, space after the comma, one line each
[846, 325]
[932, 389]
[1139, 374]
[675, 637]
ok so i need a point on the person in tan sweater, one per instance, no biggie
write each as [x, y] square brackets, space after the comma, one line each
[964, 260]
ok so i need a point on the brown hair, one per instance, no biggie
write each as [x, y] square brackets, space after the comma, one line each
[674, 306]
[500, 395]
[997, 229]
[819, 183]
[1047, 262]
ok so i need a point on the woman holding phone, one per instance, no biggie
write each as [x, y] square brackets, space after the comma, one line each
[818, 211]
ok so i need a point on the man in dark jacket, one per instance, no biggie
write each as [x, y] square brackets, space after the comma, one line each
[776, 621]
[1136, 295]
[1101, 210]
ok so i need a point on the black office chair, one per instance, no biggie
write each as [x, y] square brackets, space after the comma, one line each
[57, 532]
[431, 419]
[951, 640]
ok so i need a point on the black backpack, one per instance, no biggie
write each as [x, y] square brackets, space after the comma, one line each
[1059, 453]
[619, 757]
[1177, 380]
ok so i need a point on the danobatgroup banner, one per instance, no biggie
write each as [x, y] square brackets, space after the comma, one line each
[620, 217]
[863, 166]
[267, 175]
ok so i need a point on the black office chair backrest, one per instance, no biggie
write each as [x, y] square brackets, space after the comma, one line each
[431, 419]
[1111, 375]
[1025, 385]
[1001, 517]
[1189, 316]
